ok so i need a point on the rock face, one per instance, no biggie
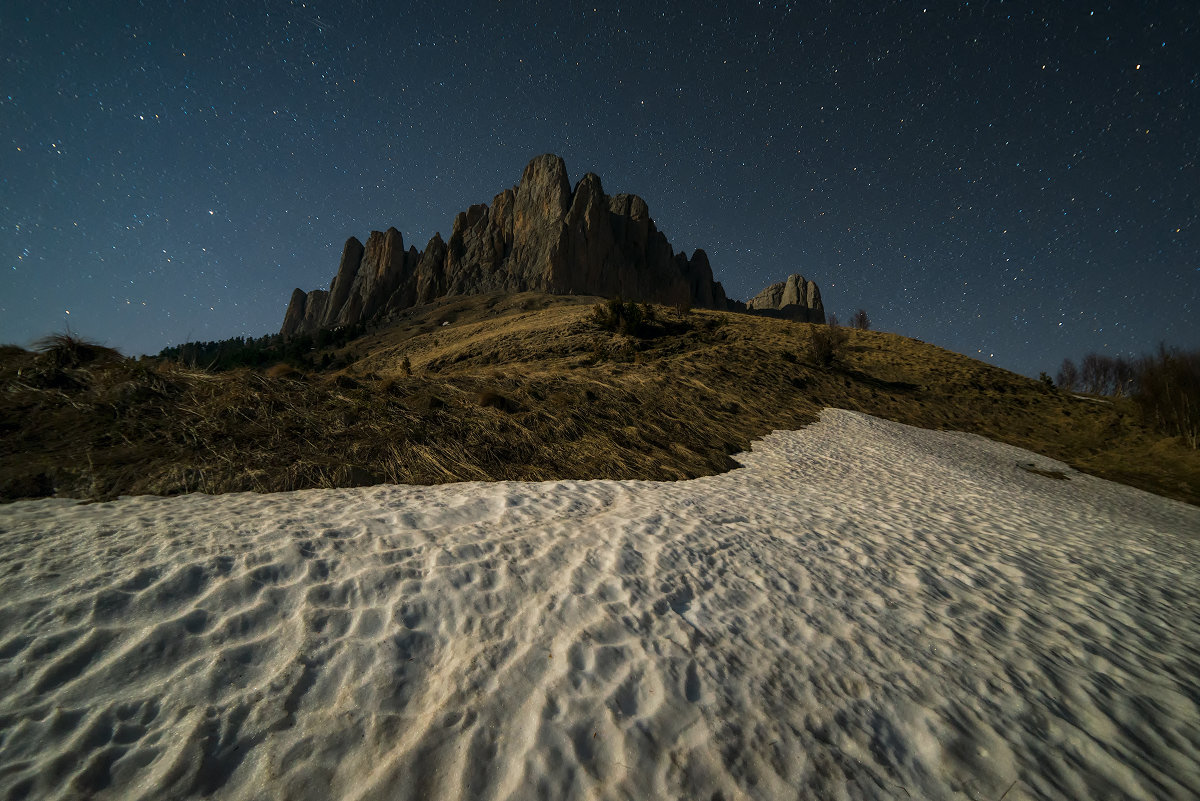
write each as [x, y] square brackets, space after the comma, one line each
[793, 299]
[538, 236]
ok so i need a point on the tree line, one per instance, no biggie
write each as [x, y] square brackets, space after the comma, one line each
[300, 351]
[1165, 384]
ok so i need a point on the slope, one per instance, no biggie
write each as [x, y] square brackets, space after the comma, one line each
[529, 387]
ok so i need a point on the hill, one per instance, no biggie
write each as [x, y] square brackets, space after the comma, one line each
[528, 387]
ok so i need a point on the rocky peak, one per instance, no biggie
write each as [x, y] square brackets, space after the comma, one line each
[794, 299]
[542, 200]
[538, 236]
[339, 290]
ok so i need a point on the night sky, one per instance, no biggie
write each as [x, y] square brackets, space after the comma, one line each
[1013, 181]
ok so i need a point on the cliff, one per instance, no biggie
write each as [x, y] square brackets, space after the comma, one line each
[793, 299]
[539, 236]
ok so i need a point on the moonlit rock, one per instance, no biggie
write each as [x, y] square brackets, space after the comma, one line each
[794, 299]
[539, 236]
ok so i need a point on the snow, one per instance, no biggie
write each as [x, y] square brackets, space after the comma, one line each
[865, 610]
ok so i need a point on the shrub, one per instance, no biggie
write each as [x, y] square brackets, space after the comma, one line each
[283, 370]
[827, 343]
[860, 320]
[626, 318]
[406, 366]
[1046, 380]
[632, 317]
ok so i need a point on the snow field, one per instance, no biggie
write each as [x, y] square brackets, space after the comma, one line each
[866, 610]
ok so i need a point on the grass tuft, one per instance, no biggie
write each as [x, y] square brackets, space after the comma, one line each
[68, 350]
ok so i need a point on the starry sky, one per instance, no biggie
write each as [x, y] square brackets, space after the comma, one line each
[1013, 181]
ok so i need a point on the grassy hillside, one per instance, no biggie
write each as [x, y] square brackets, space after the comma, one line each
[526, 387]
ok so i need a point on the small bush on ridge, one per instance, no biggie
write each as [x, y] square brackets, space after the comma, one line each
[68, 350]
[827, 343]
[626, 317]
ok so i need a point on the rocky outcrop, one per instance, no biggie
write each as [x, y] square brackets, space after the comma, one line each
[538, 236]
[320, 308]
[793, 299]
[384, 266]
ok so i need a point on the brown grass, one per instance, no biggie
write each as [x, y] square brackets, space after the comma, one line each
[68, 350]
[527, 387]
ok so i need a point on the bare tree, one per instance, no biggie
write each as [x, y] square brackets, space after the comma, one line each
[832, 321]
[860, 320]
[1107, 375]
[1093, 374]
[1168, 390]
[1068, 376]
[1124, 377]
[1165, 384]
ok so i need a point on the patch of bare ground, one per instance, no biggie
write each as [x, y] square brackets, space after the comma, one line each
[526, 387]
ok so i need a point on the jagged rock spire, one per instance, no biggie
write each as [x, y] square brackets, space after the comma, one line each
[538, 236]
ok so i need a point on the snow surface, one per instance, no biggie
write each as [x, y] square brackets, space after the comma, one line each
[866, 610]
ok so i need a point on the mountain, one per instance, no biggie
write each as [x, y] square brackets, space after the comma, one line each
[539, 236]
[793, 299]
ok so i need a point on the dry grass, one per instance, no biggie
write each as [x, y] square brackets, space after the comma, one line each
[69, 350]
[527, 387]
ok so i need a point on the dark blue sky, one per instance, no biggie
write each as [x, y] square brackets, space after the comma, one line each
[1016, 181]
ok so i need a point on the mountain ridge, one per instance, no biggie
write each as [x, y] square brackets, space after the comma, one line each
[541, 236]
